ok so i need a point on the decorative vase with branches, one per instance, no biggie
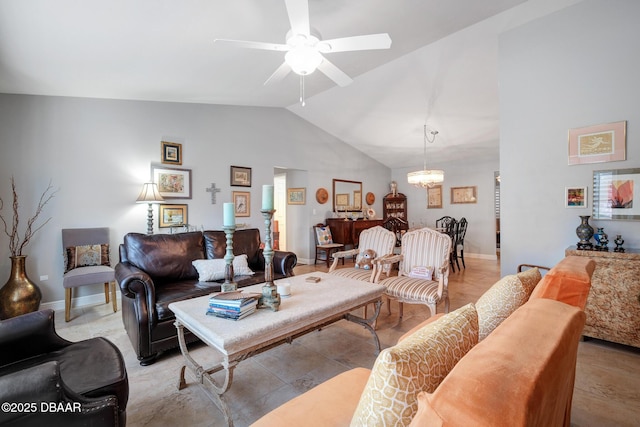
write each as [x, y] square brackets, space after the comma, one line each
[20, 295]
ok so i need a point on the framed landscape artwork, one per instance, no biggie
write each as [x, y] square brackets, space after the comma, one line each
[434, 197]
[599, 143]
[173, 183]
[173, 215]
[171, 153]
[575, 197]
[242, 203]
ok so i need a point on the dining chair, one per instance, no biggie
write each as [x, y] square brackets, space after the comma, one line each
[398, 226]
[422, 248]
[447, 225]
[378, 239]
[86, 255]
[325, 247]
[461, 231]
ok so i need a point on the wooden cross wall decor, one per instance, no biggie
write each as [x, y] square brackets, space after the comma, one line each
[213, 190]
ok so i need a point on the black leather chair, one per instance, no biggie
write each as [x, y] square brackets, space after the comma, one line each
[52, 381]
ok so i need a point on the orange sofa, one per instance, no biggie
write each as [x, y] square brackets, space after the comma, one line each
[519, 374]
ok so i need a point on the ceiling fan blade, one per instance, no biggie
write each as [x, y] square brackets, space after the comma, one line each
[334, 73]
[281, 72]
[367, 42]
[298, 11]
[253, 45]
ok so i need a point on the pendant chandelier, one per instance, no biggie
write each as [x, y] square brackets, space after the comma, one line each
[426, 178]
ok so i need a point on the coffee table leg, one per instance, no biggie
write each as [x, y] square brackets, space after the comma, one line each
[369, 323]
[211, 388]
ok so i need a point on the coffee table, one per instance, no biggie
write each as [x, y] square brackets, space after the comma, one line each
[311, 306]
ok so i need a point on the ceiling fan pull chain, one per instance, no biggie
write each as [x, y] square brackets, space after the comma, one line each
[302, 91]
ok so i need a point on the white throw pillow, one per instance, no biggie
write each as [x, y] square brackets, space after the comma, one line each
[210, 270]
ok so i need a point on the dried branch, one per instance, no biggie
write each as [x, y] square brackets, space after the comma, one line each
[15, 245]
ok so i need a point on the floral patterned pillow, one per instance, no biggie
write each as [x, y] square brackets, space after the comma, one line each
[324, 235]
[86, 256]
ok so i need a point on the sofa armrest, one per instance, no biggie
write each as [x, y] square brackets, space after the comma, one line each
[283, 262]
[29, 335]
[133, 281]
[42, 394]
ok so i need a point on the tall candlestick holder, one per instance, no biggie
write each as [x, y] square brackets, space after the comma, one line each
[229, 285]
[270, 297]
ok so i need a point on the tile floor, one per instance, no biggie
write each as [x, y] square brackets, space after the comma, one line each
[607, 391]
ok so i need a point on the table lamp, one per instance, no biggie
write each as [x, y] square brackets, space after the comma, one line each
[150, 195]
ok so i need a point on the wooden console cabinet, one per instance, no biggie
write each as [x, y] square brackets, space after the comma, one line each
[613, 306]
[348, 232]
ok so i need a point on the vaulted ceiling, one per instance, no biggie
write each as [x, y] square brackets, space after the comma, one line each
[441, 68]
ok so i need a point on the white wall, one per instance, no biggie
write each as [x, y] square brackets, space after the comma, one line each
[481, 237]
[98, 153]
[574, 68]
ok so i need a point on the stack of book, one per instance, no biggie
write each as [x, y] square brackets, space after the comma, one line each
[234, 305]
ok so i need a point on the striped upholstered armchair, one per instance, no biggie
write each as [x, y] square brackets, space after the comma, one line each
[423, 251]
[378, 239]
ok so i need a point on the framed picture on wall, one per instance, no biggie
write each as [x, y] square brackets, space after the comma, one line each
[171, 153]
[575, 197]
[296, 196]
[599, 143]
[240, 176]
[173, 183]
[464, 195]
[173, 215]
[616, 194]
[434, 197]
[242, 203]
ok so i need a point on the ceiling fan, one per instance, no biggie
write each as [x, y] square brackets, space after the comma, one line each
[304, 49]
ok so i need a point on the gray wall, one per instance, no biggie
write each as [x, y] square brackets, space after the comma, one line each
[574, 68]
[98, 153]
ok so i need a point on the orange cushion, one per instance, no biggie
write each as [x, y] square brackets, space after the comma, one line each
[522, 374]
[331, 403]
[569, 281]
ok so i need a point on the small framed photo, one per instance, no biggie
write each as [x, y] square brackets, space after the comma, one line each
[464, 195]
[173, 183]
[242, 203]
[296, 196]
[434, 197]
[599, 143]
[173, 215]
[171, 153]
[357, 200]
[240, 176]
[575, 197]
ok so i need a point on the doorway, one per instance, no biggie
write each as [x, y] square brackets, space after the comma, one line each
[280, 205]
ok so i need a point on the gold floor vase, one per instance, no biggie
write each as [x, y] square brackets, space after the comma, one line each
[19, 295]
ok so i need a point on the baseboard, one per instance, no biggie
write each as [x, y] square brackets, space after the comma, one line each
[482, 256]
[305, 261]
[78, 302]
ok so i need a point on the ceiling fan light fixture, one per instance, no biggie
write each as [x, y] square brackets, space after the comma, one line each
[303, 60]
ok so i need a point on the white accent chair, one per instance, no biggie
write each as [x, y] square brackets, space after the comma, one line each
[87, 275]
[420, 248]
[379, 239]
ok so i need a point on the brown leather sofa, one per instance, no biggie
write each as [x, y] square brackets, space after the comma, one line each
[47, 380]
[156, 270]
